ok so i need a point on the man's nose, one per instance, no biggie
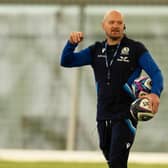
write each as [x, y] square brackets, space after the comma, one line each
[115, 25]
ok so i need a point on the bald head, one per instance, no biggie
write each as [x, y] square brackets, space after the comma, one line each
[113, 26]
[113, 13]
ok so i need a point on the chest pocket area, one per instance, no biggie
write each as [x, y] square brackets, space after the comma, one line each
[126, 63]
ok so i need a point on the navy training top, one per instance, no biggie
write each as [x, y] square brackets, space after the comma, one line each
[114, 66]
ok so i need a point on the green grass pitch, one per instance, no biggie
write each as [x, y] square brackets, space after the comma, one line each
[5, 164]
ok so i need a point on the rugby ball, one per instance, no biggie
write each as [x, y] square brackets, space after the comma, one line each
[141, 109]
[141, 86]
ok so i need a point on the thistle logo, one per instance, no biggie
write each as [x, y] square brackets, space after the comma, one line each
[125, 51]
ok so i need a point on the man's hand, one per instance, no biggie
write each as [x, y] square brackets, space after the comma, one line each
[155, 100]
[76, 37]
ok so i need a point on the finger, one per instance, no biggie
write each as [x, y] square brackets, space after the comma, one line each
[81, 36]
[146, 96]
[72, 39]
[78, 37]
[155, 107]
[75, 38]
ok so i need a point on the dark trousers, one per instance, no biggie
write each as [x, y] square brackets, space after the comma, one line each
[116, 139]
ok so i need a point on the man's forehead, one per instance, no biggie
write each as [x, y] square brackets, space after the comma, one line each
[113, 15]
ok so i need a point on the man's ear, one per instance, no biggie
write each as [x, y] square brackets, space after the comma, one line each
[124, 27]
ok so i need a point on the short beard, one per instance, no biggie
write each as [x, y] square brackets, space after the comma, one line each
[114, 38]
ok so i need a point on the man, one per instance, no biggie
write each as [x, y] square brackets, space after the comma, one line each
[115, 61]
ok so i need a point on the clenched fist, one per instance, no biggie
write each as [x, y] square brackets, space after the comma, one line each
[76, 37]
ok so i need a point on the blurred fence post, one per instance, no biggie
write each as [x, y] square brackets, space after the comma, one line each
[75, 103]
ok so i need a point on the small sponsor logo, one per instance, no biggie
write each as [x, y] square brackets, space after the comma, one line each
[103, 50]
[123, 59]
[128, 145]
[101, 56]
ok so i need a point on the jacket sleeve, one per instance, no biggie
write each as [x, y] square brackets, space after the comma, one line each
[151, 68]
[70, 58]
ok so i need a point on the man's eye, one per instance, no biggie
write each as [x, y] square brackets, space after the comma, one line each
[119, 23]
[111, 22]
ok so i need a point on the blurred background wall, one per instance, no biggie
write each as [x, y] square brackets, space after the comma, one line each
[37, 96]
